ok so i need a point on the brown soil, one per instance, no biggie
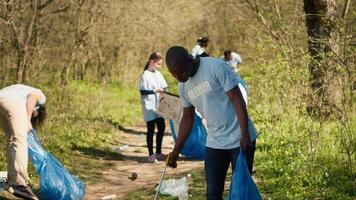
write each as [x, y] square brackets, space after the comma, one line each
[119, 181]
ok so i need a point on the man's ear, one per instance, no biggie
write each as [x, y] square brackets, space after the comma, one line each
[34, 114]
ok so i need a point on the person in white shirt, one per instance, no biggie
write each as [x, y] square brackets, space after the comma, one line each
[199, 48]
[21, 108]
[233, 59]
[152, 84]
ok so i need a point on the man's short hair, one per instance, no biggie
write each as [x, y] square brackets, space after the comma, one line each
[176, 55]
[227, 52]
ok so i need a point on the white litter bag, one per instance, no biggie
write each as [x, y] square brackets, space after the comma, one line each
[175, 187]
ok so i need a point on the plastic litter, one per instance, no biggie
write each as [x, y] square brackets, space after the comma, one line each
[242, 186]
[3, 176]
[55, 181]
[109, 197]
[175, 187]
[121, 148]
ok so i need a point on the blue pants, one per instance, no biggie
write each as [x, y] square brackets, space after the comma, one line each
[217, 162]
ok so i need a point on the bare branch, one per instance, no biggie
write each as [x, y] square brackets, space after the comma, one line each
[80, 3]
[45, 4]
[59, 10]
[263, 19]
[346, 8]
[30, 28]
[254, 7]
[6, 3]
[8, 16]
[276, 6]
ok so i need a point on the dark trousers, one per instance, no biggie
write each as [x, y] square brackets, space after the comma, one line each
[159, 122]
[217, 162]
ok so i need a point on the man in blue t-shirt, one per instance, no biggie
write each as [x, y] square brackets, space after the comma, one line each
[209, 85]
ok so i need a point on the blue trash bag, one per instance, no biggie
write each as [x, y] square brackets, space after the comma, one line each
[56, 183]
[194, 146]
[242, 186]
[251, 129]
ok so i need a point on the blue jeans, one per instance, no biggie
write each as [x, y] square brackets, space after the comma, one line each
[217, 162]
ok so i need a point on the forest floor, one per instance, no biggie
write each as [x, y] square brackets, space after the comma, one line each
[118, 181]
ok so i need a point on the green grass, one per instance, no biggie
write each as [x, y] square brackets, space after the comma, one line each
[286, 168]
[297, 156]
[289, 166]
[196, 187]
[82, 126]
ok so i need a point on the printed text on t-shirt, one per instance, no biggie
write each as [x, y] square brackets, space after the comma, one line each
[199, 90]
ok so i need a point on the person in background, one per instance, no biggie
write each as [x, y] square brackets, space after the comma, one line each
[209, 85]
[21, 108]
[233, 59]
[152, 84]
[199, 48]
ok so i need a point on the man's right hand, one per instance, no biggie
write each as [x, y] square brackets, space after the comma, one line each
[185, 127]
[173, 157]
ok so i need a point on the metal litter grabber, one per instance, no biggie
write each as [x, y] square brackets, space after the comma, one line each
[163, 173]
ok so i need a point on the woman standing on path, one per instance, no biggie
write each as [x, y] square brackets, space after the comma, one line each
[21, 106]
[152, 84]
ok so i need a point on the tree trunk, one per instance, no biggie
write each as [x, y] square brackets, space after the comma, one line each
[101, 70]
[22, 43]
[322, 30]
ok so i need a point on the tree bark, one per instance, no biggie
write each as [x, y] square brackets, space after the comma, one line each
[322, 30]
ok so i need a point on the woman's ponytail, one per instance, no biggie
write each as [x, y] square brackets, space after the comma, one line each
[146, 66]
[153, 56]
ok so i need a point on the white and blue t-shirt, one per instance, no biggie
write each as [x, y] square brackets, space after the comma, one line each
[197, 50]
[19, 92]
[206, 91]
[149, 81]
[235, 60]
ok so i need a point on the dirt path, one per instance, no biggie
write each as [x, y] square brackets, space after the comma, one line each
[116, 181]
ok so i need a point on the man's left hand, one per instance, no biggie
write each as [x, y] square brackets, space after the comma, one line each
[245, 143]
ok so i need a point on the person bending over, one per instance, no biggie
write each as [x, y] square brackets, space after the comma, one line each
[209, 85]
[21, 108]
